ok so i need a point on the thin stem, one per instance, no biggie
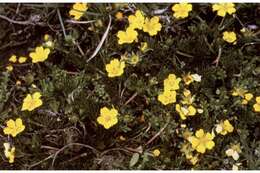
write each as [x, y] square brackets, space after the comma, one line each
[61, 22]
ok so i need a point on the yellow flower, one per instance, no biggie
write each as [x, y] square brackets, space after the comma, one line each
[31, 102]
[188, 98]
[185, 111]
[115, 68]
[202, 141]
[46, 37]
[40, 54]
[128, 36]
[194, 159]
[48, 41]
[152, 26]
[257, 104]
[186, 149]
[229, 37]
[239, 92]
[234, 151]
[156, 152]
[78, 10]
[171, 82]
[187, 79]
[186, 134]
[119, 15]
[224, 127]
[181, 10]
[167, 97]
[13, 59]
[144, 47]
[244, 94]
[224, 8]
[9, 152]
[108, 117]
[134, 59]
[247, 98]
[136, 21]
[22, 59]
[9, 68]
[14, 127]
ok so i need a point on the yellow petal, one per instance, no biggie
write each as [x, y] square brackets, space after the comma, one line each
[257, 107]
[194, 141]
[201, 148]
[209, 136]
[257, 99]
[10, 123]
[199, 133]
[210, 145]
[7, 131]
[248, 96]
[192, 110]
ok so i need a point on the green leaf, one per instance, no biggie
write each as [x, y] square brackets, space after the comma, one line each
[134, 159]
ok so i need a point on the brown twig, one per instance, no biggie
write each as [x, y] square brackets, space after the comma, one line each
[158, 133]
[216, 61]
[27, 22]
[71, 144]
[115, 149]
[101, 41]
[31, 21]
[79, 22]
[131, 98]
[41, 161]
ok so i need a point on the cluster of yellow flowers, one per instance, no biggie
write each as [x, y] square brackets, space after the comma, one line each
[187, 149]
[234, 151]
[13, 59]
[78, 10]
[40, 54]
[116, 67]
[31, 101]
[246, 97]
[140, 22]
[223, 9]
[224, 127]
[181, 10]
[243, 93]
[13, 128]
[171, 85]
[203, 141]
[186, 108]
